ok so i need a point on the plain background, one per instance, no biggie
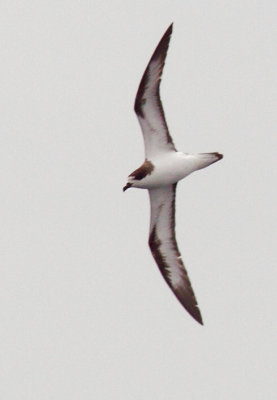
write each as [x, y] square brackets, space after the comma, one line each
[85, 313]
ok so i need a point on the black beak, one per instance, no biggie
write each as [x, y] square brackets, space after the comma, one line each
[127, 186]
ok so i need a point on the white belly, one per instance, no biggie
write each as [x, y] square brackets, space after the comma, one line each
[168, 169]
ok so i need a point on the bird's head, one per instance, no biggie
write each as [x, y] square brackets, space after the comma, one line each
[130, 182]
[127, 186]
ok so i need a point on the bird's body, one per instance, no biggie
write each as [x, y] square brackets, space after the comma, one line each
[163, 167]
[169, 168]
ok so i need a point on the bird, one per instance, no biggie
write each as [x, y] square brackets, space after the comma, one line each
[160, 172]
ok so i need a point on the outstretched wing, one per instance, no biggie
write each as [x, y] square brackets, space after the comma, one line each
[148, 106]
[164, 248]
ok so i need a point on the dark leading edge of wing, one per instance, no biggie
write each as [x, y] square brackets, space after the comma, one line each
[148, 101]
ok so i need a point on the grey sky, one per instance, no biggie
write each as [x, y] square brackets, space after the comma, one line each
[84, 311]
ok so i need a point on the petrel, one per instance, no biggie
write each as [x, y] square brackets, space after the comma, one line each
[162, 169]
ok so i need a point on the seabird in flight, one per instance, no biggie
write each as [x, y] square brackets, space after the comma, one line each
[162, 169]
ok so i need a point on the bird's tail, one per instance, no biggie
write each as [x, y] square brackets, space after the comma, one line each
[206, 159]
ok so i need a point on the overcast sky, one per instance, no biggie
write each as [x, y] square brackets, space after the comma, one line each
[85, 313]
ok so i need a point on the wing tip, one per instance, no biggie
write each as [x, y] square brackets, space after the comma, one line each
[196, 314]
[163, 44]
[170, 27]
[160, 51]
[189, 302]
[184, 293]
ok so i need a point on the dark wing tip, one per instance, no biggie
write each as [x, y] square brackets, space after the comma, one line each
[197, 316]
[184, 293]
[188, 301]
[162, 47]
[160, 52]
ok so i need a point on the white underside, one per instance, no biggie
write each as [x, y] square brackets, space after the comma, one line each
[171, 167]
